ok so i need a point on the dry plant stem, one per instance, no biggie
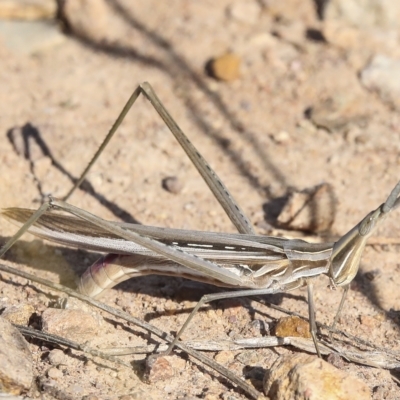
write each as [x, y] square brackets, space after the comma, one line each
[253, 393]
[50, 338]
[376, 359]
[205, 345]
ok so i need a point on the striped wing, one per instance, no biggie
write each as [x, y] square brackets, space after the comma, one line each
[256, 257]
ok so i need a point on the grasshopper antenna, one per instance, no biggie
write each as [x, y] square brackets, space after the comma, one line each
[393, 200]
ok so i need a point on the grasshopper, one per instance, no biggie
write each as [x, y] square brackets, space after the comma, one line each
[252, 264]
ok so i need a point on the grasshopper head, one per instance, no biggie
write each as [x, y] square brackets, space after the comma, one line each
[347, 251]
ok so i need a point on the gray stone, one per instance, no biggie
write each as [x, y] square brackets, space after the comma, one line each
[55, 374]
[29, 37]
[172, 184]
[303, 376]
[15, 360]
[384, 14]
[71, 303]
[56, 357]
[338, 112]
[71, 324]
[382, 75]
[158, 369]
[19, 314]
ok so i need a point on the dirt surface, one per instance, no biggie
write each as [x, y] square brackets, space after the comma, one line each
[58, 104]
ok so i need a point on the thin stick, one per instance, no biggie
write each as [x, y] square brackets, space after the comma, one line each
[378, 359]
[50, 338]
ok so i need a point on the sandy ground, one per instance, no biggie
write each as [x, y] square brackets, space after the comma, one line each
[58, 104]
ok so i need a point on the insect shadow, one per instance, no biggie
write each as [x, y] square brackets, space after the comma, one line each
[23, 139]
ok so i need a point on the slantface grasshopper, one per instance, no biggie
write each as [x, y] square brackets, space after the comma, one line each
[255, 264]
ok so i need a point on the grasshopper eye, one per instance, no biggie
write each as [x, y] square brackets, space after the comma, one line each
[366, 225]
[369, 223]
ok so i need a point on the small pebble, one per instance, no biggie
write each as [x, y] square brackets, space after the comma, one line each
[226, 68]
[157, 369]
[172, 184]
[281, 137]
[74, 324]
[18, 315]
[56, 357]
[54, 373]
[292, 326]
[371, 275]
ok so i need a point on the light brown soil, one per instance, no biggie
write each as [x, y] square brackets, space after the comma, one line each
[66, 98]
